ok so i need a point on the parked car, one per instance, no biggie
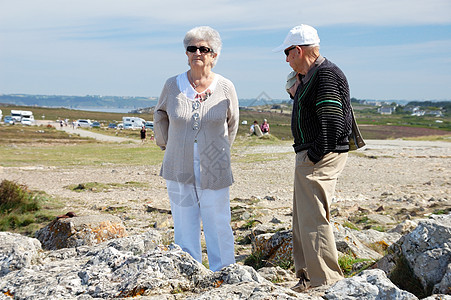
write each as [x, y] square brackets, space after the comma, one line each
[83, 123]
[120, 126]
[112, 125]
[27, 121]
[9, 120]
[95, 125]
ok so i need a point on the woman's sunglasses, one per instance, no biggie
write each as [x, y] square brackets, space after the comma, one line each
[202, 49]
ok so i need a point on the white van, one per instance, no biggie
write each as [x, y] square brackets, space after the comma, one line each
[133, 122]
[17, 115]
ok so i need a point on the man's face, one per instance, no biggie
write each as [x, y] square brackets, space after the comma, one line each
[293, 54]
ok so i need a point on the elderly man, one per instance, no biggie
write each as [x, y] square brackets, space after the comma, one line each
[320, 123]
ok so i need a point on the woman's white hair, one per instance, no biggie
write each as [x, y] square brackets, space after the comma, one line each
[205, 33]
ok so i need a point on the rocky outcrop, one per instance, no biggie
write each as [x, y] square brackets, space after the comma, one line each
[140, 266]
[368, 285]
[79, 231]
[274, 248]
[134, 266]
[277, 248]
[17, 252]
[422, 258]
[348, 243]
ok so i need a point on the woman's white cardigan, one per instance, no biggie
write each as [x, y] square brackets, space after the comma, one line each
[218, 124]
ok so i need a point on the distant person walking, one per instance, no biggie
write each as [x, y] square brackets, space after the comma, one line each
[143, 134]
[321, 124]
[195, 122]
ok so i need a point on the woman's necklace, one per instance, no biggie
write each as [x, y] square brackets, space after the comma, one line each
[191, 81]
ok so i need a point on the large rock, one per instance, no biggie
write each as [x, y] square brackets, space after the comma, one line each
[17, 252]
[274, 248]
[372, 236]
[243, 282]
[348, 243]
[277, 248]
[368, 285]
[79, 231]
[127, 268]
[421, 260]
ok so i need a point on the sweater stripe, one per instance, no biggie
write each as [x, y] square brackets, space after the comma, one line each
[321, 120]
[331, 101]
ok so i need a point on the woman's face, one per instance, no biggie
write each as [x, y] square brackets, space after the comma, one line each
[198, 59]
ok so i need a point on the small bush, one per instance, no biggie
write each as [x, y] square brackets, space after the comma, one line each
[351, 265]
[17, 198]
[21, 209]
[255, 260]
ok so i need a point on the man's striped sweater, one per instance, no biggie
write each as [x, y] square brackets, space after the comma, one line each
[321, 118]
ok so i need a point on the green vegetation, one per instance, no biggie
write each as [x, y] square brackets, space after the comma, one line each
[249, 224]
[22, 210]
[19, 134]
[124, 133]
[255, 260]
[351, 265]
[91, 154]
[350, 225]
[373, 125]
[102, 187]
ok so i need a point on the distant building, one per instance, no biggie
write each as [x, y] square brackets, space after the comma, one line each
[386, 110]
[436, 113]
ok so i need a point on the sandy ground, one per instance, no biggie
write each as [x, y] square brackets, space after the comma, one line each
[393, 173]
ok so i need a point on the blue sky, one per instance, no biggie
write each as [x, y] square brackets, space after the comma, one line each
[388, 49]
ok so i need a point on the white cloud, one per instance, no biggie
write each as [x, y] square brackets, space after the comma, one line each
[237, 14]
[130, 47]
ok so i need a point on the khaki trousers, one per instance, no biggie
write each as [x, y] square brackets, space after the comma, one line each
[314, 250]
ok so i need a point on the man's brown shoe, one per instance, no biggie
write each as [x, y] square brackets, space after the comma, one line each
[302, 285]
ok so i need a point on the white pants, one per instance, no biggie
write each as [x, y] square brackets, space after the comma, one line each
[189, 206]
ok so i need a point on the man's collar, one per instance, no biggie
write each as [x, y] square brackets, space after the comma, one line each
[311, 71]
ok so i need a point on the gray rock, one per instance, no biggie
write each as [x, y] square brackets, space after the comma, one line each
[267, 228]
[424, 255]
[438, 297]
[276, 274]
[129, 267]
[251, 291]
[368, 285]
[381, 219]
[79, 231]
[405, 227]
[243, 282]
[17, 252]
[371, 236]
[428, 251]
[444, 286]
[346, 242]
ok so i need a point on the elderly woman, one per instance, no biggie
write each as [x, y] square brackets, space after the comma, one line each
[195, 122]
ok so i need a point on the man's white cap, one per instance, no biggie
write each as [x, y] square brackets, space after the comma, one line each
[300, 35]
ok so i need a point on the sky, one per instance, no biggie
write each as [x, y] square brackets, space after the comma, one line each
[388, 49]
